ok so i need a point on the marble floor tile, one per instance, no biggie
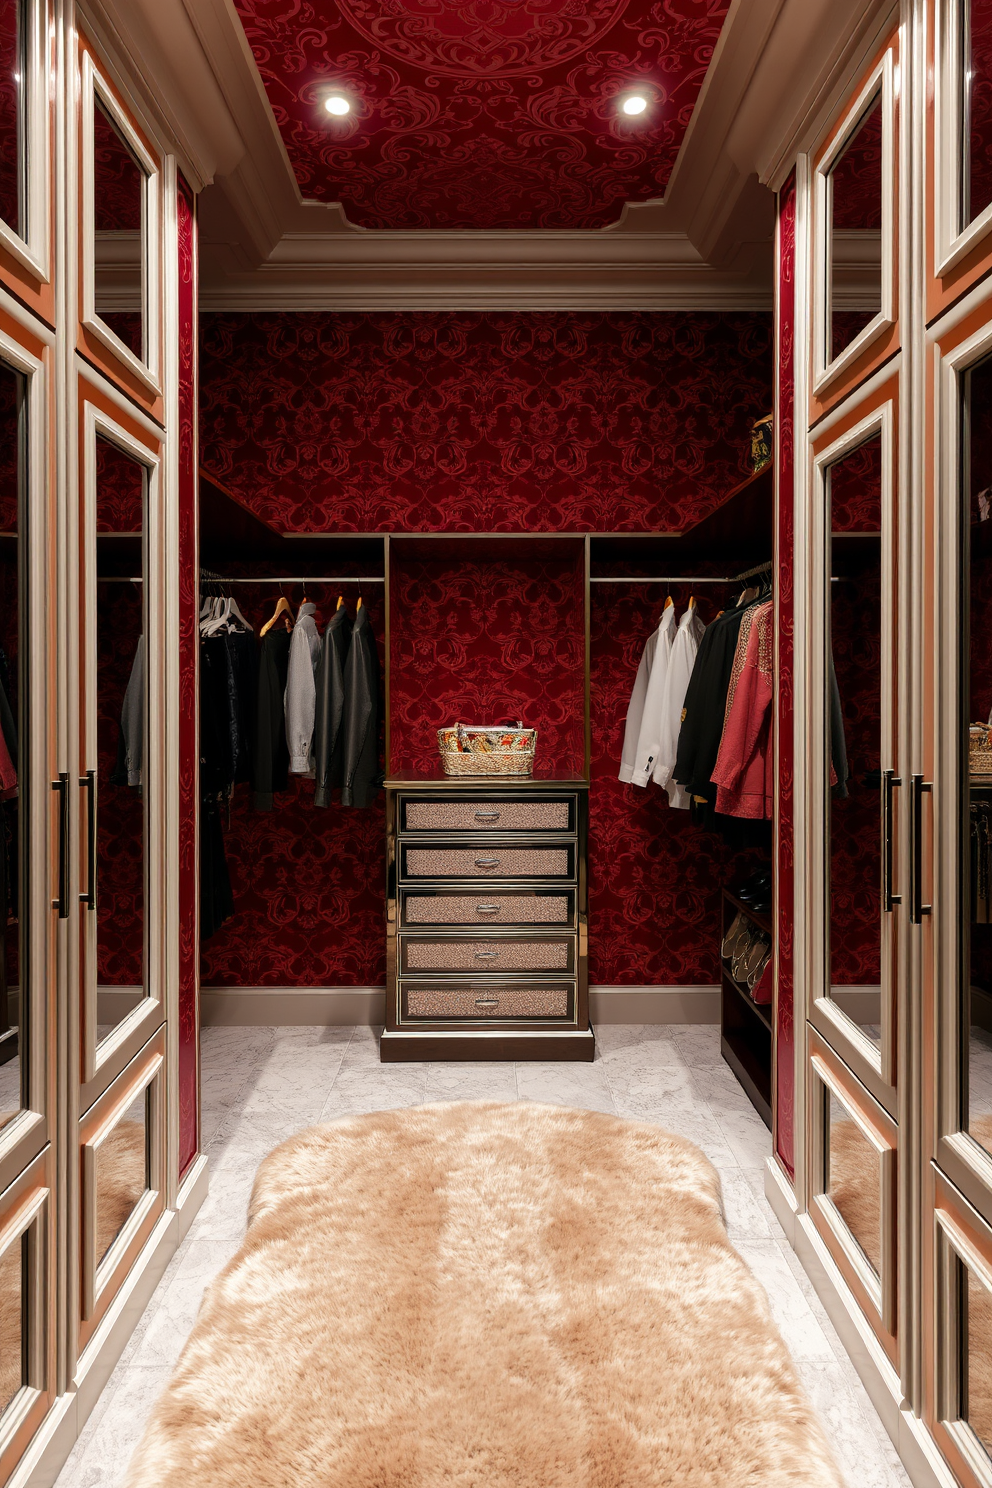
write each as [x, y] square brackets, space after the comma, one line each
[584, 1086]
[260, 1086]
[451, 1082]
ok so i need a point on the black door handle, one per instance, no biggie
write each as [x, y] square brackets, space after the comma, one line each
[889, 900]
[917, 908]
[62, 787]
[87, 782]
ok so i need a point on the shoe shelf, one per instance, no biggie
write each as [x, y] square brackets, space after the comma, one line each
[745, 1025]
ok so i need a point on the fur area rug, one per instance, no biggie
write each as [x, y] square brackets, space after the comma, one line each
[480, 1295]
[120, 1182]
[855, 1188]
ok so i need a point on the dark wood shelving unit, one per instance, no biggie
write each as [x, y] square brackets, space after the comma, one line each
[745, 1025]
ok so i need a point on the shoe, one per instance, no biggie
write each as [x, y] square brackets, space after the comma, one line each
[758, 886]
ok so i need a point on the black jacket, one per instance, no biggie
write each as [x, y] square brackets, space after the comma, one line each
[271, 750]
[705, 705]
[328, 735]
[360, 726]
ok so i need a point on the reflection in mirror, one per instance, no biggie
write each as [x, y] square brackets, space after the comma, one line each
[13, 1270]
[854, 735]
[121, 1173]
[976, 1355]
[13, 1029]
[854, 1180]
[977, 98]
[118, 195]
[13, 155]
[856, 234]
[976, 755]
[121, 707]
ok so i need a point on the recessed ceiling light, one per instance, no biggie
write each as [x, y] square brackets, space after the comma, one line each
[337, 105]
[635, 104]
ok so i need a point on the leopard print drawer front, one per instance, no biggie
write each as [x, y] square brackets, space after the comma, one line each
[478, 1003]
[487, 816]
[488, 955]
[490, 909]
[488, 862]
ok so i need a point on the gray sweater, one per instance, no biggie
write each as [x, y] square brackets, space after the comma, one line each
[301, 690]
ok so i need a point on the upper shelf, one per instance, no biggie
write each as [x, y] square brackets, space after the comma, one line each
[739, 532]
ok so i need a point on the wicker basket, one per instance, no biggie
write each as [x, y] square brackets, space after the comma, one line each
[979, 749]
[471, 749]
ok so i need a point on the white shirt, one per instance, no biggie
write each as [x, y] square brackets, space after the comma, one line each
[300, 698]
[640, 745]
[680, 665]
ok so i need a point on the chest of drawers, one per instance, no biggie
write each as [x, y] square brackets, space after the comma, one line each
[486, 920]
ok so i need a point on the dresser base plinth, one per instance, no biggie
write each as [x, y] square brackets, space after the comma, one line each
[432, 1046]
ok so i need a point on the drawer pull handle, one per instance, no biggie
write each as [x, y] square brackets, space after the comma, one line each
[487, 862]
[487, 816]
[487, 909]
[485, 955]
[487, 1002]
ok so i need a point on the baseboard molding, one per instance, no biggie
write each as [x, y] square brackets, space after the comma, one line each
[292, 1007]
[654, 1004]
[917, 1449]
[53, 1442]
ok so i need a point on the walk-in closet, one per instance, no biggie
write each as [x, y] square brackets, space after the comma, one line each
[495, 743]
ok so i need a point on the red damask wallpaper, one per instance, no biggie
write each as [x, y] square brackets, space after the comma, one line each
[470, 421]
[479, 639]
[482, 113]
[485, 422]
[783, 1116]
[188, 683]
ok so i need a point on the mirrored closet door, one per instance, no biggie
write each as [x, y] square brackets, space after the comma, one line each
[28, 916]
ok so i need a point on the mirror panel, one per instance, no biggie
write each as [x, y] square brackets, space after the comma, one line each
[121, 730]
[976, 154]
[975, 1342]
[13, 851]
[122, 1173]
[855, 217]
[975, 753]
[119, 233]
[12, 74]
[853, 1178]
[854, 734]
[13, 1332]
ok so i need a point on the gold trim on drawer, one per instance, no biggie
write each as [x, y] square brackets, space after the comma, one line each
[482, 1003]
[511, 907]
[469, 954]
[494, 860]
[454, 814]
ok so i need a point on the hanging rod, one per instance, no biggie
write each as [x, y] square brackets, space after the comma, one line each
[673, 579]
[343, 579]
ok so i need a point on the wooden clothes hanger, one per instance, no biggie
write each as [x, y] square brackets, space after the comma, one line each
[283, 607]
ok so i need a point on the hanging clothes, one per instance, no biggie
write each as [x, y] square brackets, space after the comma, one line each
[131, 734]
[301, 691]
[216, 898]
[241, 675]
[839, 769]
[640, 739]
[685, 648]
[271, 761]
[704, 708]
[744, 771]
[328, 735]
[360, 723]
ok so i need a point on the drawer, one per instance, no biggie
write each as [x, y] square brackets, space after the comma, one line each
[502, 907]
[481, 1002]
[494, 860]
[471, 954]
[529, 814]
